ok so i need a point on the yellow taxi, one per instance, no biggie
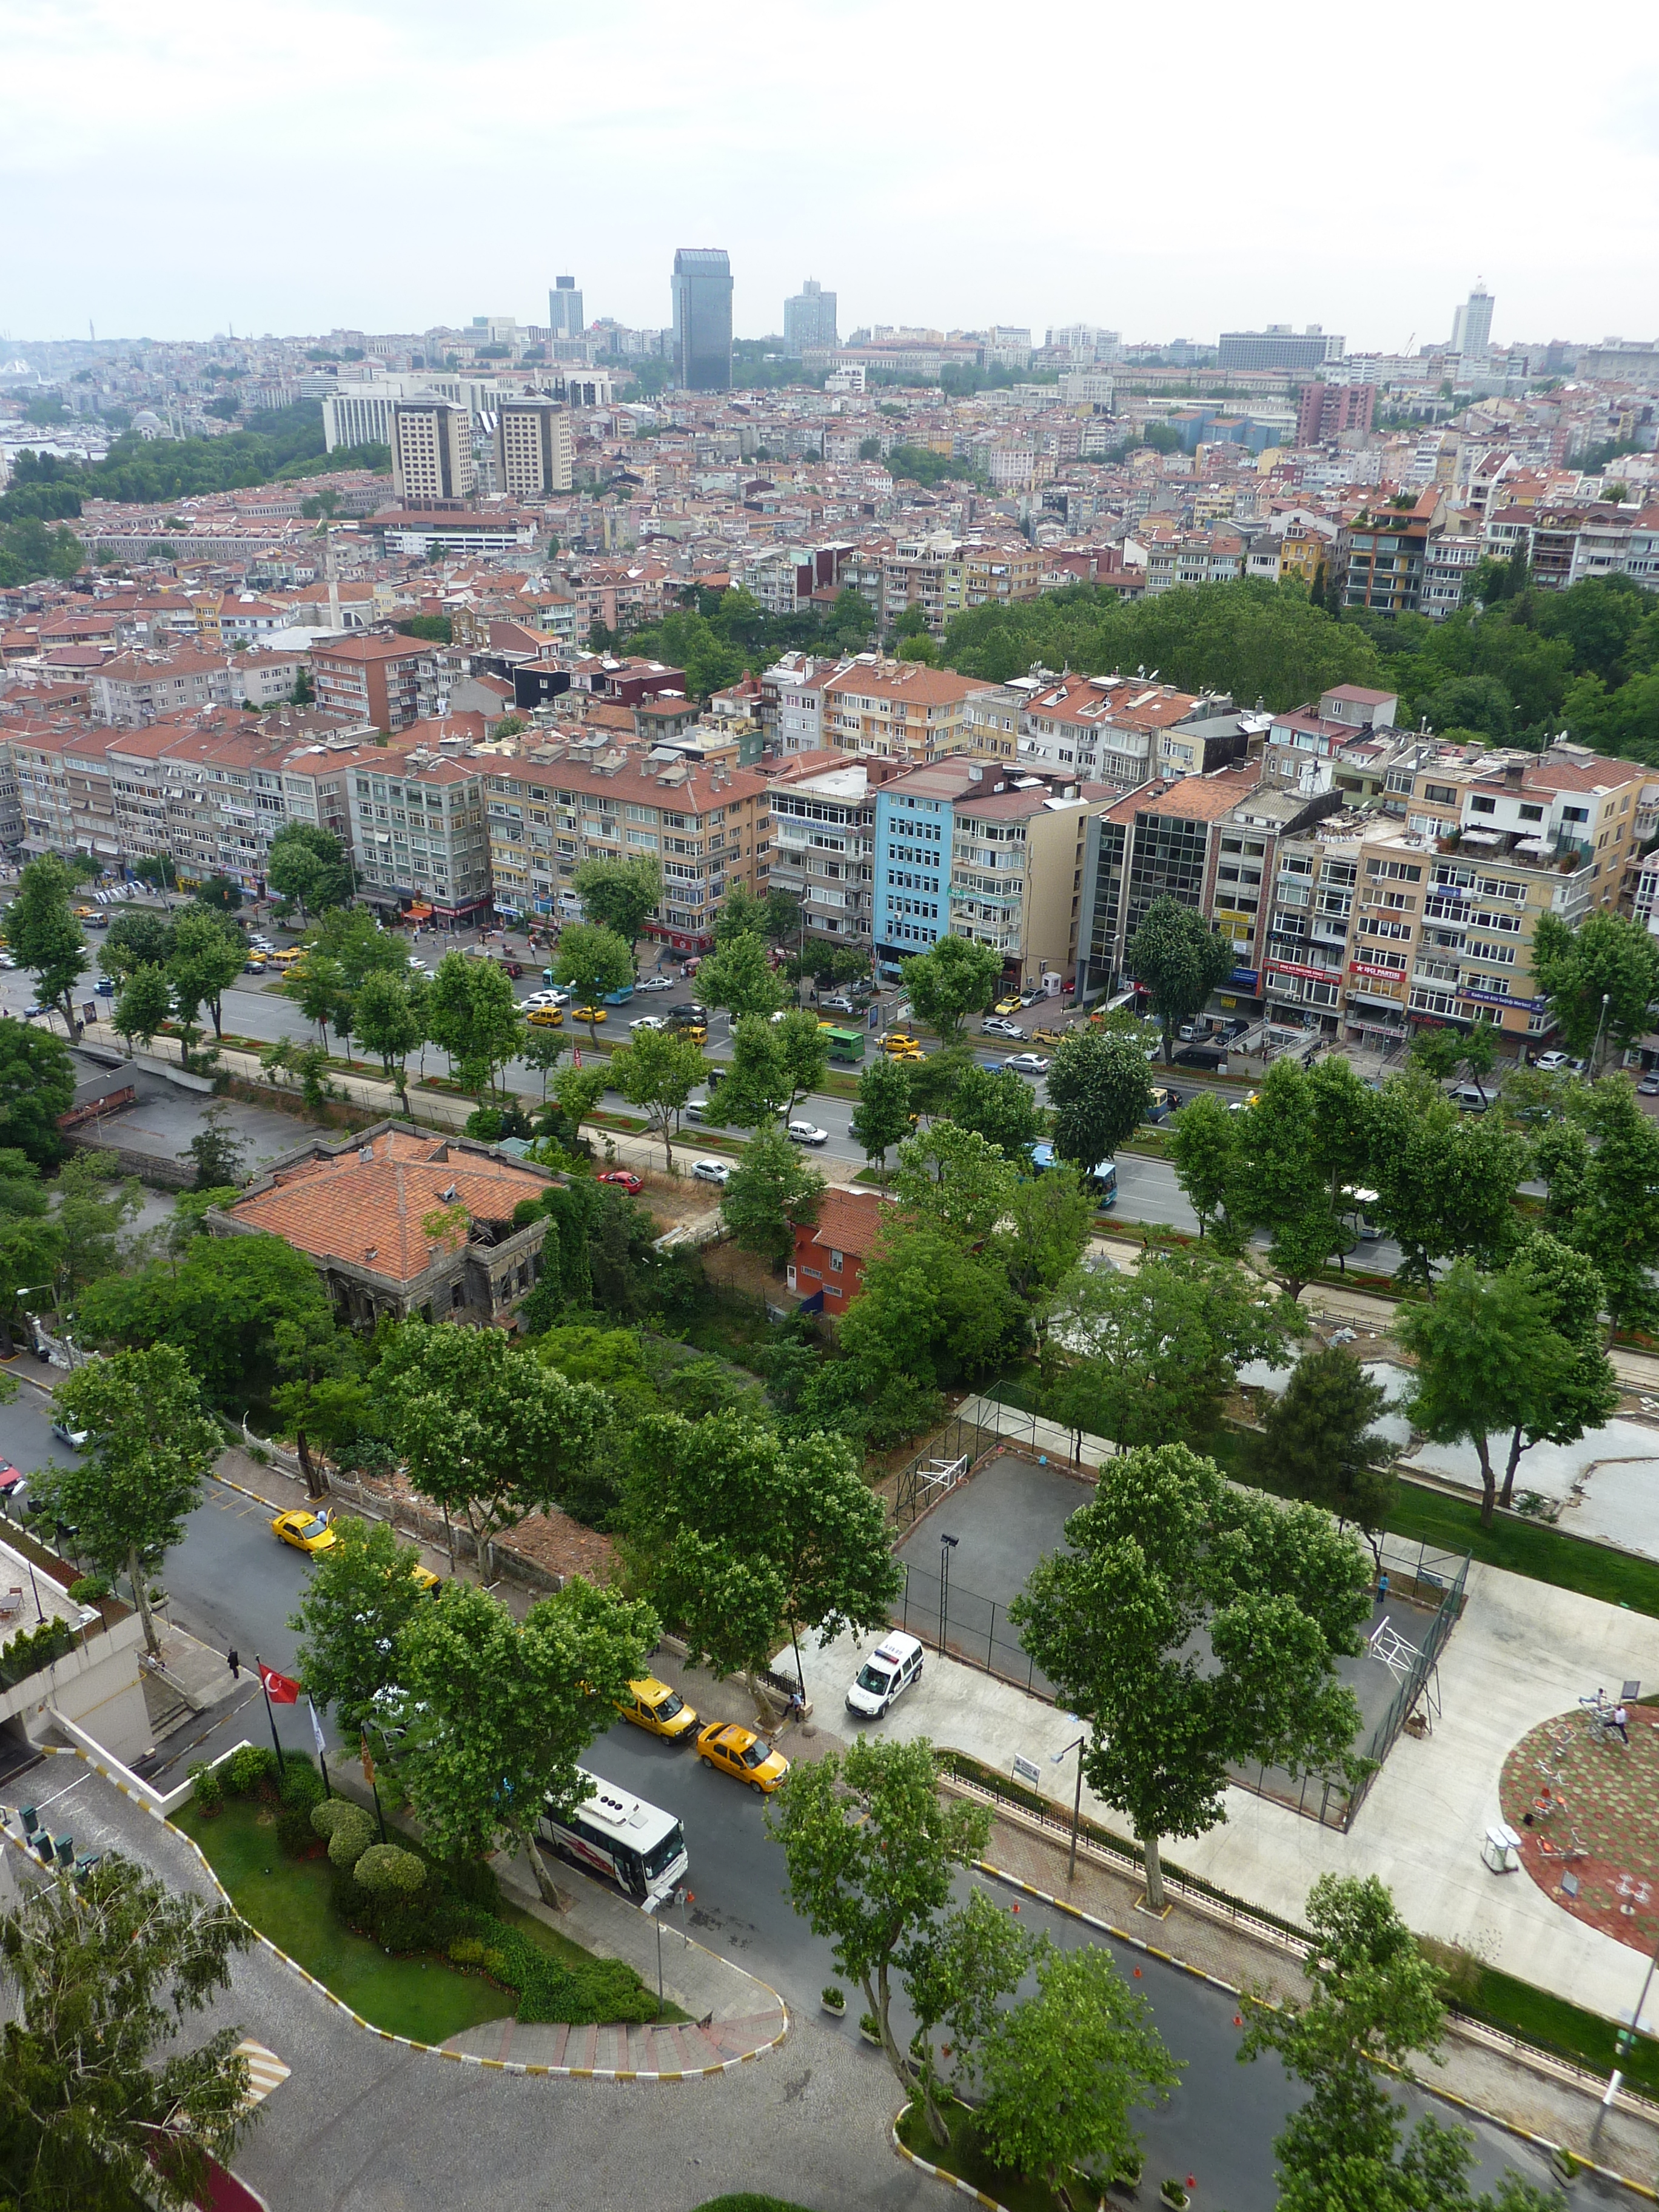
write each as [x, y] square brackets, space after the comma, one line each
[84, 913]
[587, 1013]
[661, 1710]
[546, 1017]
[306, 1532]
[1006, 1006]
[741, 1754]
[898, 1044]
[1050, 1038]
[425, 1580]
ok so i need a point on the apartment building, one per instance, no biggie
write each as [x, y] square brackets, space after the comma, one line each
[709, 825]
[898, 710]
[389, 681]
[531, 447]
[1123, 731]
[824, 840]
[432, 454]
[1323, 746]
[1158, 842]
[134, 689]
[943, 575]
[1382, 921]
[418, 829]
[783, 579]
[791, 703]
[1384, 551]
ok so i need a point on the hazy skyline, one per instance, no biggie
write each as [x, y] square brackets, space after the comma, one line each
[291, 169]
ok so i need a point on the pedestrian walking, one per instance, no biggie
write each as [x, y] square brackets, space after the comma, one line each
[1382, 1586]
[1620, 1721]
[233, 1661]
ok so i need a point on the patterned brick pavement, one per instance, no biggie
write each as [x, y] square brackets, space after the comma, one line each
[1587, 1808]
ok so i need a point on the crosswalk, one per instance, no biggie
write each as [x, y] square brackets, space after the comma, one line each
[265, 2071]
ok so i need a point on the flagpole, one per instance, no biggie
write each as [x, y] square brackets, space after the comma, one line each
[269, 1714]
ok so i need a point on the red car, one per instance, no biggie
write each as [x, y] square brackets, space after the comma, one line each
[9, 1478]
[623, 1181]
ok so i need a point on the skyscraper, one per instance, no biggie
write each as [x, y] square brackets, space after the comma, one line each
[702, 318]
[564, 309]
[431, 454]
[808, 320]
[531, 448]
[1471, 324]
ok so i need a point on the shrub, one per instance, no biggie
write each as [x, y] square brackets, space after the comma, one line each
[301, 1785]
[326, 1815]
[207, 1786]
[294, 1833]
[90, 1590]
[351, 1838]
[386, 1871]
[250, 1771]
[466, 1951]
[473, 1881]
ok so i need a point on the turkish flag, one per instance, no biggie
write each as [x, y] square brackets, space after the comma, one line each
[278, 1688]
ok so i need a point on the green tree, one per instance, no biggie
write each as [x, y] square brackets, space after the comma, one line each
[737, 1534]
[1277, 1183]
[1063, 2072]
[873, 1848]
[140, 938]
[1487, 1359]
[45, 938]
[351, 935]
[1000, 1107]
[929, 1310]
[1602, 980]
[952, 980]
[1043, 1233]
[31, 1246]
[1571, 1297]
[770, 1190]
[543, 1049]
[143, 1005]
[620, 896]
[37, 1084]
[1204, 1151]
[96, 2114]
[955, 1179]
[220, 1157]
[773, 1063]
[740, 976]
[360, 1596]
[1167, 1547]
[659, 1069]
[308, 867]
[95, 1201]
[972, 1957]
[1604, 1199]
[1445, 1181]
[207, 958]
[150, 1445]
[593, 962]
[1155, 1353]
[1373, 2000]
[221, 1304]
[881, 1118]
[321, 1398]
[1100, 1089]
[1317, 1442]
[1178, 960]
[318, 987]
[387, 1022]
[486, 1432]
[506, 1708]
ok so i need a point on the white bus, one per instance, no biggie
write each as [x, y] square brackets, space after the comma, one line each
[636, 1845]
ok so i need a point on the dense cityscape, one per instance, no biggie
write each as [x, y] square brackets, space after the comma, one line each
[828, 1258]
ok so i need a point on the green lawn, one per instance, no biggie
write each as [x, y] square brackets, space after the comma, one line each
[289, 1901]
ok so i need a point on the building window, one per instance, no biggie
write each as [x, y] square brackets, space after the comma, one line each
[835, 1262]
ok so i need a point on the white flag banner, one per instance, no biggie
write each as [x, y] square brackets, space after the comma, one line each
[316, 1728]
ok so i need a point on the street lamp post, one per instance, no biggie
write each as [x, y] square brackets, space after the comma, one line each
[1076, 1799]
[1595, 1049]
[947, 1546]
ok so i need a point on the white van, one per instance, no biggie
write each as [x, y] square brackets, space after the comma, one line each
[885, 1675]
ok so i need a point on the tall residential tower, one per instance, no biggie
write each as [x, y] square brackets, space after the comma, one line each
[808, 320]
[1472, 325]
[564, 309]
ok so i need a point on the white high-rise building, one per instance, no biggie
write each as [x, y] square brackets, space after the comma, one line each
[564, 309]
[1472, 325]
[431, 452]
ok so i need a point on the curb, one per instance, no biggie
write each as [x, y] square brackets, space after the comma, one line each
[950, 2180]
[408, 2043]
[1197, 1974]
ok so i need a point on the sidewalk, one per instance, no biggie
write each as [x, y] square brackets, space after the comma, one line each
[1523, 1652]
[734, 2017]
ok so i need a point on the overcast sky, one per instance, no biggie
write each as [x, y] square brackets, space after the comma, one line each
[1166, 171]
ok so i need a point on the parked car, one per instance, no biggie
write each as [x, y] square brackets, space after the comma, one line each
[885, 1676]
[838, 1005]
[806, 1132]
[711, 1171]
[1470, 1098]
[1008, 1005]
[623, 1178]
[1551, 1062]
[306, 1532]
[995, 1026]
[1028, 1063]
[11, 1477]
[1649, 1086]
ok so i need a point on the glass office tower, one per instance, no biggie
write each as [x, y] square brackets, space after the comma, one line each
[702, 318]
